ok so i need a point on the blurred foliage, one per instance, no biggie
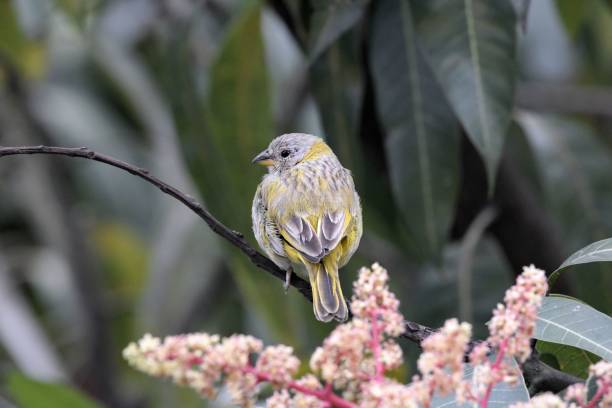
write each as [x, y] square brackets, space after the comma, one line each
[403, 90]
[567, 358]
[36, 394]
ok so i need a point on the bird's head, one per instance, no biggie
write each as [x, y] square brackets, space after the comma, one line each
[287, 150]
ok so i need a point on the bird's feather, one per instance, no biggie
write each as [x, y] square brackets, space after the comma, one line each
[315, 244]
[308, 216]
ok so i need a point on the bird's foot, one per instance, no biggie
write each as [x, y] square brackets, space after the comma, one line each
[287, 279]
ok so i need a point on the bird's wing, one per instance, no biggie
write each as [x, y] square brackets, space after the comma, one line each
[265, 229]
[315, 236]
[331, 228]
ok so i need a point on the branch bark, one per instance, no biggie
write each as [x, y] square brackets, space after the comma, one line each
[234, 237]
[564, 98]
[415, 332]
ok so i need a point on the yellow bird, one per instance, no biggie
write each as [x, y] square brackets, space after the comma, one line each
[306, 215]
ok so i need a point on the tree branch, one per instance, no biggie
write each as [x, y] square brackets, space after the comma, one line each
[234, 237]
[415, 332]
[564, 98]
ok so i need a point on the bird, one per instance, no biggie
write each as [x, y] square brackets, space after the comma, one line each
[307, 217]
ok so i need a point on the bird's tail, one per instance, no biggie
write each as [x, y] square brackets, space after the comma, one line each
[327, 298]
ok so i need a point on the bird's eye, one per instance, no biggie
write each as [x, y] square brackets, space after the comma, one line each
[285, 153]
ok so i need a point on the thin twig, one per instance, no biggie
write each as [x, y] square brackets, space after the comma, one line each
[466, 261]
[414, 332]
[234, 237]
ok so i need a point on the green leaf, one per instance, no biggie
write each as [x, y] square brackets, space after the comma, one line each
[502, 395]
[573, 14]
[573, 166]
[29, 393]
[600, 251]
[592, 387]
[422, 134]
[471, 46]
[337, 86]
[239, 125]
[331, 19]
[569, 359]
[124, 257]
[27, 54]
[570, 322]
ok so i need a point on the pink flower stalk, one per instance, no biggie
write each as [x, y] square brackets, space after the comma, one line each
[511, 329]
[387, 393]
[441, 363]
[362, 350]
[354, 355]
[200, 360]
[372, 298]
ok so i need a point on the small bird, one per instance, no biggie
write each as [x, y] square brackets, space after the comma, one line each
[306, 215]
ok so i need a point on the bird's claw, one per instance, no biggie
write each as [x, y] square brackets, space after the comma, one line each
[287, 280]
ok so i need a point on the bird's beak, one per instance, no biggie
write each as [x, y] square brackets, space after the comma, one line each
[264, 158]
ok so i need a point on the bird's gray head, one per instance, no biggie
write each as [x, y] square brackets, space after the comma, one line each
[289, 149]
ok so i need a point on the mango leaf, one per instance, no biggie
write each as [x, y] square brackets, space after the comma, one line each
[338, 88]
[471, 47]
[29, 393]
[502, 395]
[239, 123]
[422, 134]
[572, 164]
[27, 54]
[124, 257]
[600, 251]
[573, 14]
[567, 321]
[331, 19]
[568, 359]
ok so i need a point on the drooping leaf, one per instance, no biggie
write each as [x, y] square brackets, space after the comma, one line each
[572, 165]
[331, 19]
[240, 125]
[471, 47]
[338, 88]
[29, 393]
[422, 134]
[600, 251]
[569, 359]
[25, 53]
[489, 277]
[502, 395]
[521, 7]
[573, 14]
[592, 387]
[124, 257]
[567, 321]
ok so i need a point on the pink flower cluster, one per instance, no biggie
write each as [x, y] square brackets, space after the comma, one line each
[351, 364]
[441, 363]
[200, 360]
[353, 358]
[510, 332]
[361, 350]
